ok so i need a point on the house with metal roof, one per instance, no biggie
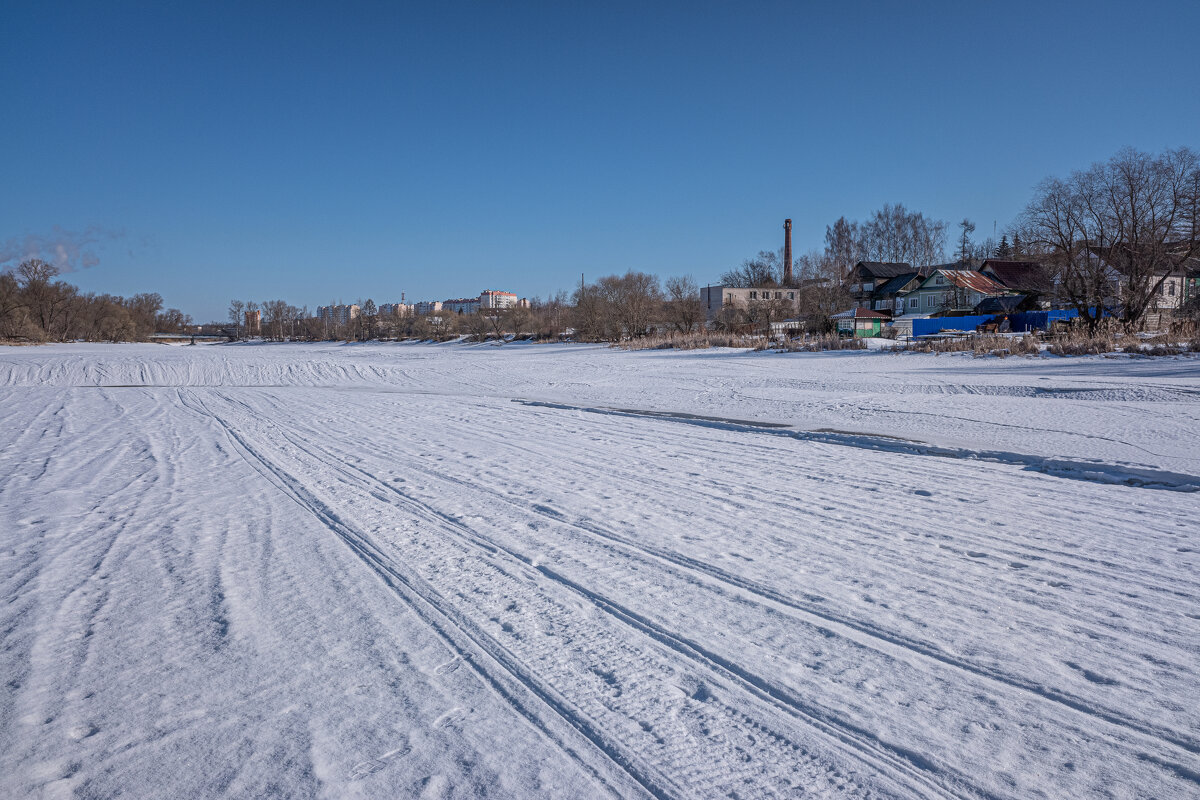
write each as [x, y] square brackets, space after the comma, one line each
[949, 291]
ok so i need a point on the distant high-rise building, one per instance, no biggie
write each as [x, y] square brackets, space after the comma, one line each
[338, 315]
[461, 305]
[400, 309]
[491, 298]
[428, 307]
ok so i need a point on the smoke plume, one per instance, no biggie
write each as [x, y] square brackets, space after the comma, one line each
[70, 251]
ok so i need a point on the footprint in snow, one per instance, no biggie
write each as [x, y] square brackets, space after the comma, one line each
[452, 718]
[1093, 677]
[450, 666]
[372, 766]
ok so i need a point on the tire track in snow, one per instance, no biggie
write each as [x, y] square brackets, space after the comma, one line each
[918, 767]
[1034, 689]
[659, 556]
[890, 761]
[1098, 472]
[453, 628]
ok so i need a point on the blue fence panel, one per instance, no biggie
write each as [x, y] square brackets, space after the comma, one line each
[924, 327]
[1030, 320]
[1040, 320]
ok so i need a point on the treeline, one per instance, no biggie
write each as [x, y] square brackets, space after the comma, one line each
[610, 309]
[35, 307]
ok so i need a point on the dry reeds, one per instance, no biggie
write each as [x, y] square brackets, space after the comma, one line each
[985, 345]
[820, 343]
[698, 340]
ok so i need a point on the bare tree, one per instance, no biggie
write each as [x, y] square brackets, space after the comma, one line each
[370, 317]
[518, 319]
[964, 240]
[477, 325]
[683, 310]
[821, 293]
[635, 300]
[12, 307]
[1119, 229]
[550, 315]
[762, 270]
[44, 299]
[896, 234]
[769, 310]
[277, 318]
[842, 245]
[237, 310]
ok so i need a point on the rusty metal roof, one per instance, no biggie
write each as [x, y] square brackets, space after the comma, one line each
[969, 279]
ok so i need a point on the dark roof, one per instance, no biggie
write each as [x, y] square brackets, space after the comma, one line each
[883, 269]
[929, 269]
[1005, 304]
[860, 313]
[1024, 276]
[897, 283]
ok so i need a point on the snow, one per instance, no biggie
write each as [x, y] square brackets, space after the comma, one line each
[571, 571]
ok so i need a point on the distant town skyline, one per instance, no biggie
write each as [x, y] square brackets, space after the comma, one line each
[321, 154]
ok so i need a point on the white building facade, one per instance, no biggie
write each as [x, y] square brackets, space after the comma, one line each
[339, 315]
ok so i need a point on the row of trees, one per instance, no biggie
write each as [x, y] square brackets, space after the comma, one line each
[1116, 231]
[610, 308]
[35, 306]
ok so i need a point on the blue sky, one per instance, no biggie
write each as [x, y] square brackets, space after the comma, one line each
[352, 150]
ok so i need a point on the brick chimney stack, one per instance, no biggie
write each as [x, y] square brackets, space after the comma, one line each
[787, 252]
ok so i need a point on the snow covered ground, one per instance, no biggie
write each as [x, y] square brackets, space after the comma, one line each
[565, 571]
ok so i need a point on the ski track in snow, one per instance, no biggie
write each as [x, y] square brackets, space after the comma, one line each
[414, 570]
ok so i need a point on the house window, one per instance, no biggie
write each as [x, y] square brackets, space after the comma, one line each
[1171, 288]
[754, 295]
[930, 301]
[912, 303]
[791, 295]
[779, 295]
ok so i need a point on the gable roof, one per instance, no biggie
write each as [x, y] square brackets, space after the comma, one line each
[929, 269]
[967, 279]
[897, 283]
[1024, 276]
[883, 269]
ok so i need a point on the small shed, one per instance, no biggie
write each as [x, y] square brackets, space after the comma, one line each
[861, 323]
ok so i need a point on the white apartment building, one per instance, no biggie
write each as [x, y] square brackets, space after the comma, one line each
[339, 315]
[462, 305]
[396, 309]
[428, 307]
[490, 298]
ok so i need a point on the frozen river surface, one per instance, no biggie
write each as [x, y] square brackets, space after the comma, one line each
[564, 571]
